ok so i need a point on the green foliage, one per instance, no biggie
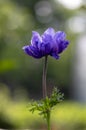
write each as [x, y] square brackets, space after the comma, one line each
[6, 65]
[15, 114]
[45, 105]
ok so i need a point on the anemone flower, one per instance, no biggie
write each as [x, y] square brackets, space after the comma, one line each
[49, 43]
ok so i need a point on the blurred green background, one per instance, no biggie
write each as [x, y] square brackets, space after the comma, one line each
[21, 75]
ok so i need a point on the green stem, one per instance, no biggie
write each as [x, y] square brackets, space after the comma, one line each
[48, 121]
[44, 77]
[45, 91]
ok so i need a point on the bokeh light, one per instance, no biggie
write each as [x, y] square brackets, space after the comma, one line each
[77, 24]
[71, 4]
[43, 11]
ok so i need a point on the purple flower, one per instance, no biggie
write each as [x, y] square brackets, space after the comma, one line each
[50, 43]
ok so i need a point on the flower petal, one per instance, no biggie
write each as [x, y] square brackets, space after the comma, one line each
[60, 41]
[60, 36]
[47, 37]
[50, 31]
[47, 40]
[42, 49]
[27, 50]
[62, 46]
[47, 48]
[55, 55]
[31, 51]
[36, 39]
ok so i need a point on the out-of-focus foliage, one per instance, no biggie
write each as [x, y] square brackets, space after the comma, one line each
[17, 20]
[16, 24]
[16, 114]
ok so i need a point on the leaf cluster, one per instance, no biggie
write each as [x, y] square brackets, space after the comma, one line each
[45, 105]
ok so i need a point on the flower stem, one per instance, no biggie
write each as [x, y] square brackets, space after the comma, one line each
[48, 121]
[45, 91]
[44, 77]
